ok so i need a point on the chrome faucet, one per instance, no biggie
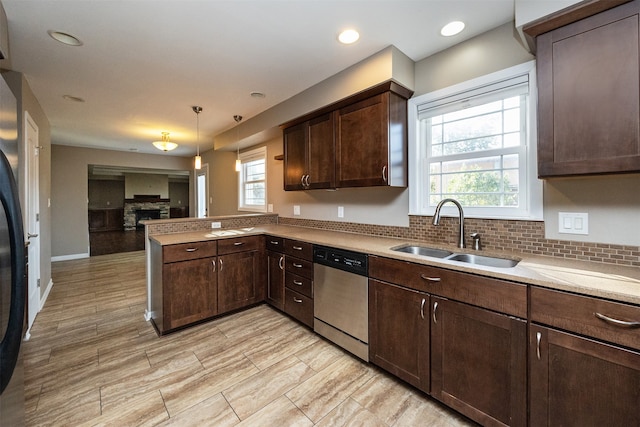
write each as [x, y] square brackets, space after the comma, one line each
[436, 219]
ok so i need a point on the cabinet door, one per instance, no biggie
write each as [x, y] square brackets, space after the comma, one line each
[321, 163]
[589, 109]
[237, 283]
[189, 292]
[362, 143]
[581, 382]
[275, 279]
[295, 153]
[478, 362]
[399, 332]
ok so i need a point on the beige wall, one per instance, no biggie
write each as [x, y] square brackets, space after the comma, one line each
[69, 190]
[146, 184]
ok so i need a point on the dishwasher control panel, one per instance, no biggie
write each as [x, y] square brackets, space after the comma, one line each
[352, 262]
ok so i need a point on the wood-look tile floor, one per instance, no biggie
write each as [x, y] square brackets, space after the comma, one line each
[93, 360]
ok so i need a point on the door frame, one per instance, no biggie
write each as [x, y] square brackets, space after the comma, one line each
[32, 216]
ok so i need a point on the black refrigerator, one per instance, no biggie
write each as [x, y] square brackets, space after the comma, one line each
[12, 267]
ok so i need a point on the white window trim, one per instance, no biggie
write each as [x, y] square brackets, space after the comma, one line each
[533, 209]
[248, 156]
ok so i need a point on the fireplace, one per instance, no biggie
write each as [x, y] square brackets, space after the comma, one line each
[144, 214]
[143, 207]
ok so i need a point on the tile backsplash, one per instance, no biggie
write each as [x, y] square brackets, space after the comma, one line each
[497, 235]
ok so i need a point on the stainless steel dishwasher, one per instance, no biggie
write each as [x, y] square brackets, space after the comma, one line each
[341, 298]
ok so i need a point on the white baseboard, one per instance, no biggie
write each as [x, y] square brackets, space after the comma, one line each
[43, 297]
[69, 257]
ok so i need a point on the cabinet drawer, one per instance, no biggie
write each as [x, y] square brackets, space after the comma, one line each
[298, 266]
[274, 244]
[298, 249]
[493, 294]
[589, 316]
[299, 284]
[298, 306]
[238, 244]
[187, 251]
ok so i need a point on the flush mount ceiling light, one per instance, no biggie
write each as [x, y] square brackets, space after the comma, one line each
[348, 36]
[165, 144]
[452, 28]
[197, 161]
[65, 38]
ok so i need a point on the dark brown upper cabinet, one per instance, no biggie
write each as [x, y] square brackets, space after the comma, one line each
[309, 152]
[589, 91]
[360, 141]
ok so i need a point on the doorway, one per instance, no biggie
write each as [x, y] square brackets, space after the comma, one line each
[202, 191]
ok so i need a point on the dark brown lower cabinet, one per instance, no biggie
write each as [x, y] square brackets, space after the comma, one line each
[190, 292]
[478, 362]
[275, 279]
[238, 280]
[399, 332]
[575, 381]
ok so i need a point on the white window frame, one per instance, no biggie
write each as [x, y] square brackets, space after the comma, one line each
[246, 157]
[531, 204]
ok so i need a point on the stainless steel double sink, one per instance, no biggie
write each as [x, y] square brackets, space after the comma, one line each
[473, 259]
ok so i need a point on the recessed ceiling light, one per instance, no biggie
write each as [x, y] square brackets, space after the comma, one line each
[73, 98]
[257, 95]
[452, 28]
[65, 38]
[348, 36]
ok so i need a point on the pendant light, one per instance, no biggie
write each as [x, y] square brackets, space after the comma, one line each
[238, 162]
[197, 159]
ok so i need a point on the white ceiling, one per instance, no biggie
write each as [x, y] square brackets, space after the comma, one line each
[144, 63]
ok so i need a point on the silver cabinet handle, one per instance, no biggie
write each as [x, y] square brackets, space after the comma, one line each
[297, 265]
[422, 308]
[281, 262]
[435, 307]
[384, 173]
[191, 249]
[617, 322]
[29, 235]
[274, 242]
[297, 248]
[220, 264]
[213, 262]
[430, 279]
[297, 300]
[538, 339]
[297, 282]
[302, 180]
[238, 244]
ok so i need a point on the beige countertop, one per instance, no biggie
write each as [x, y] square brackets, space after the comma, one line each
[618, 283]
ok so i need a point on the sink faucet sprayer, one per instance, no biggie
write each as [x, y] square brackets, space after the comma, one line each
[436, 219]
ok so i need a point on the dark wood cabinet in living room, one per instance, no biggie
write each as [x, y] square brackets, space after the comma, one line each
[106, 219]
[309, 153]
[589, 91]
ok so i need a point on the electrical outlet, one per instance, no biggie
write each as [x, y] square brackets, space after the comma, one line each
[296, 210]
[270, 207]
[340, 211]
[216, 224]
[573, 223]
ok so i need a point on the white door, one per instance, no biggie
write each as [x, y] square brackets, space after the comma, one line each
[32, 215]
[202, 191]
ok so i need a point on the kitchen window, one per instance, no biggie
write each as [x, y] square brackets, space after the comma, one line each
[253, 181]
[475, 142]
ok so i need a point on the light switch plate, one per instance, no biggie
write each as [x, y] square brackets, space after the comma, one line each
[340, 211]
[296, 210]
[573, 223]
[270, 207]
[216, 224]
